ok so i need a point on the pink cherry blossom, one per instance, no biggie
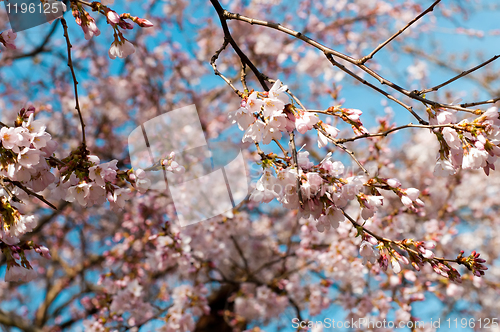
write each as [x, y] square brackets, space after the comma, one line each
[305, 121]
[121, 48]
[113, 17]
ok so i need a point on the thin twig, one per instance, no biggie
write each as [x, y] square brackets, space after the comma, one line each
[489, 101]
[75, 82]
[387, 132]
[462, 74]
[448, 65]
[30, 192]
[217, 72]
[369, 56]
[243, 57]
[387, 95]
[285, 152]
[342, 147]
[238, 248]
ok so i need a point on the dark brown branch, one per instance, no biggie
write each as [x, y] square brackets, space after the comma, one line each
[75, 82]
[30, 192]
[227, 34]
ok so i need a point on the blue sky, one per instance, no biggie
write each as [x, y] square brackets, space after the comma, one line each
[370, 102]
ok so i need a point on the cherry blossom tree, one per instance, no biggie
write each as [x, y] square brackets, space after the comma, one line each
[374, 190]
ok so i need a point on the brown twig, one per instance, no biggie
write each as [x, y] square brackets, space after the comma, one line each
[387, 95]
[462, 74]
[227, 34]
[385, 133]
[379, 47]
[30, 192]
[75, 82]
[489, 101]
[342, 147]
[217, 72]
[447, 65]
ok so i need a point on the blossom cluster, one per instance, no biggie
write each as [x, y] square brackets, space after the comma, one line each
[263, 116]
[325, 189]
[185, 297]
[23, 150]
[321, 192]
[468, 144]
[83, 179]
[120, 47]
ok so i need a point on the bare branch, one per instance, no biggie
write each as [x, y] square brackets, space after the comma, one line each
[369, 56]
[387, 95]
[75, 82]
[30, 192]
[217, 72]
[11, 319]
[387, 132]
[291, 32]
[243, 57]
[329, 51]
[489, 101]
[462, 74]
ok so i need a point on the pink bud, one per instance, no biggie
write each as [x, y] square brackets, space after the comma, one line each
[45, 252]
[113, 17]
[144, 23]
[394, 183]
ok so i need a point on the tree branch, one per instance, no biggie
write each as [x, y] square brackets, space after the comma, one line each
[75, 82]
[369, 56]
[462, 74]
